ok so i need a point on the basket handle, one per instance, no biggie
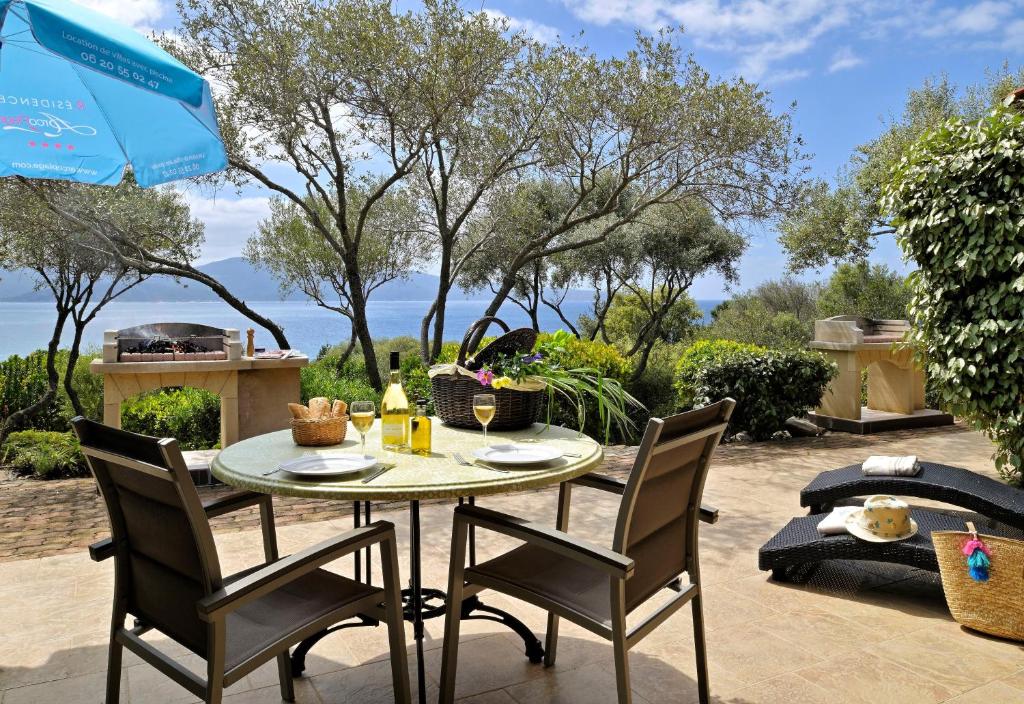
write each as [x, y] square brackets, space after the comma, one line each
[485, 322]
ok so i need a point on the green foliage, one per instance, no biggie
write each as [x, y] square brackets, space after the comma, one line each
[192, 416]
[769, 386]
[575, 353]
[698, 356]
[323, 378]
[958, 198]
[655, 386]
[748, 320]
[865, 290]
[777, 314]
[43, 453]
[629, 317]
[22, 382]
[839, 223]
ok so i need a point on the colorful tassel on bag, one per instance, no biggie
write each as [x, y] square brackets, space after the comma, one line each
[978, 556]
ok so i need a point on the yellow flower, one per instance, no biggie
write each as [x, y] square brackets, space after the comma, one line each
[501, 382]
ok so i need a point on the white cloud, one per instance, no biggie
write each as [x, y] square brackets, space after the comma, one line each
[767, 36]
[543, 33]
[141, 15]
[229, 222]
[843, 60]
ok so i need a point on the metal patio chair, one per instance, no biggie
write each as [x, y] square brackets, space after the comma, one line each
[167, 576]
[655, 542]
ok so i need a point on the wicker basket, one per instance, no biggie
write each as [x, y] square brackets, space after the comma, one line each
[994, 607]
[317, 433]
[453, 393]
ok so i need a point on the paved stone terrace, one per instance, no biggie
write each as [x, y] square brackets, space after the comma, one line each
[856, 633]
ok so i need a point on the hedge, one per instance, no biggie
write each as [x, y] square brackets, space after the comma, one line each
[769, 386]
[43, 453]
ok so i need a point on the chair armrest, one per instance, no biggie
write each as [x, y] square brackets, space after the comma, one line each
[232, 502]
[608, 561]
[600, 481]
[102, 549]
[708, 513]
[288, 569]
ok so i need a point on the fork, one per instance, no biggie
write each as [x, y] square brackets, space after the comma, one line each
[463, 461]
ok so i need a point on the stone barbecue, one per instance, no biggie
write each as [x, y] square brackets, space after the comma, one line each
[254, 393]
[171, 342]
[895, 384]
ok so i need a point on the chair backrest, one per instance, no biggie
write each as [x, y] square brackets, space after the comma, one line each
[660, 511]
[165, 556]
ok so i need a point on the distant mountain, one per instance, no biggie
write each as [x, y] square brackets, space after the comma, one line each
[246, 282]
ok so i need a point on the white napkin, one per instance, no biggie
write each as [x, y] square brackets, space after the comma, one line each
[835, 522]
[880, 465]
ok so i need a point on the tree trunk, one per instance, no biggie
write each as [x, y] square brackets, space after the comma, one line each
[500, 295]
[439, 315]
[16, 419]
[360, 324]
[69, 370]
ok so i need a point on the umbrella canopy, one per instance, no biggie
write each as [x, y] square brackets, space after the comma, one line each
[82, 97]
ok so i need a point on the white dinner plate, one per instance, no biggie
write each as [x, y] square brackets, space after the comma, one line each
[328, 465]
[512, 453]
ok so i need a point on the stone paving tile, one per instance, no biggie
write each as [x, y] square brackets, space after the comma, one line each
[851, 633]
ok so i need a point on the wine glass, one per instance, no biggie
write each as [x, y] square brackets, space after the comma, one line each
[483, 408]
[362, 414]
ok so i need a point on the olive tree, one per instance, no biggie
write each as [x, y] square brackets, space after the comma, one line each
[331, 104]
[75, 264]
[957, 197]
[632, 132]
[841, 221]
[300, 259]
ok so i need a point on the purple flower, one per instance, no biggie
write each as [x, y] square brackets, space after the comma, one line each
[485, 377]
[533, 357]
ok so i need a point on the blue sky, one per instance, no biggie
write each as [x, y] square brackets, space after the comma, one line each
[847, 64]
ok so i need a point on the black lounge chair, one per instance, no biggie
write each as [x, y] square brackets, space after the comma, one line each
[996, 509]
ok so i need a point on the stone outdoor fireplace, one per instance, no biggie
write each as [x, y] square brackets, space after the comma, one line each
[895, 384]
[254, 393]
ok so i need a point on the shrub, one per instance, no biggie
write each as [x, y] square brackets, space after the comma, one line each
[22, 382]
[44, 453]
[957, 197]
[349, 383]
[655, 388]
[192, 416]
[769, 386]
[697, 357]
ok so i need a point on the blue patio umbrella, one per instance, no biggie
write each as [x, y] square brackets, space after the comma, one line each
[82, 97]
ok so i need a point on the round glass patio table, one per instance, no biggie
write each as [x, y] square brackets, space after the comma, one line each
[253, 464]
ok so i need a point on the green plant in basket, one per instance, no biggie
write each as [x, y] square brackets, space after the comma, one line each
[578, 385]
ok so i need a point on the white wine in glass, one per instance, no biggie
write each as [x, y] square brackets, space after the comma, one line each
[484, 407]
[362, 414]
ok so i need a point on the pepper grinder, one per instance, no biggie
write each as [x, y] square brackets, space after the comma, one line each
[250, 345]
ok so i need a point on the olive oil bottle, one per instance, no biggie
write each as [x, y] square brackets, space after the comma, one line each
[420, 425]
[394, 412]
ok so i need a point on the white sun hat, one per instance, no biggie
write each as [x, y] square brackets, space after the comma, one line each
[884, 519]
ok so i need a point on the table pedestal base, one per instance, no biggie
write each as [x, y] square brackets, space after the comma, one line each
[420, 604]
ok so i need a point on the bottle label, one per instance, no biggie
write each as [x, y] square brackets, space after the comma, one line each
[393, 430]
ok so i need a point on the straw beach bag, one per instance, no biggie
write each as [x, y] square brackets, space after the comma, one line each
[994, 606]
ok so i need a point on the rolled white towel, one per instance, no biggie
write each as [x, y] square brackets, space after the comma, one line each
[835, 522]
[880, 465]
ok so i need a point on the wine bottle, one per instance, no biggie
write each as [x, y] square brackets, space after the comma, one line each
[394, 412]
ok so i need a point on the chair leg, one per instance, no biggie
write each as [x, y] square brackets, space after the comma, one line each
[703, 687]
[453, 613]
[395, 616]
[551, 640]
[619, 647]
[284, 674]
[114, 670]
